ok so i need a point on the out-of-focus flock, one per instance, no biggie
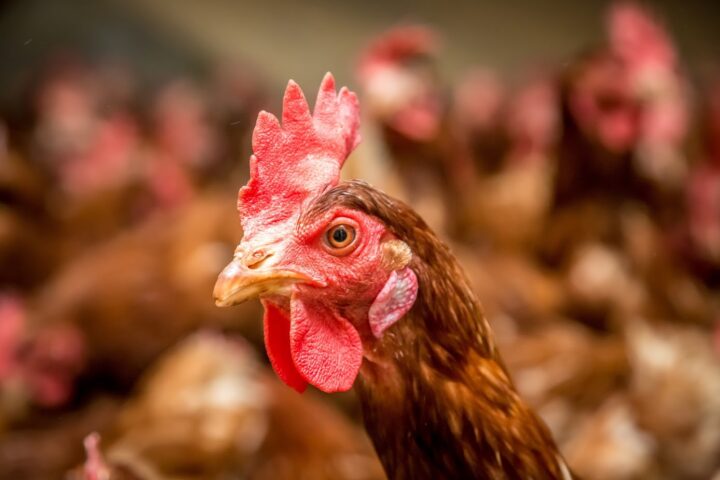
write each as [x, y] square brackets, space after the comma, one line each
[583, 200]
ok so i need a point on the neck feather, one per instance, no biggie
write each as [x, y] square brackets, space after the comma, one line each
[437, 400]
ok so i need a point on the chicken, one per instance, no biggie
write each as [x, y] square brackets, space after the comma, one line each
[26, 226]
[37, 367]
[115, 308]
[407, 102]
[479, 110]
[512, 137]
[397, 72]
[85, 143]
[663, 424]
[675, 392]
[703, 195]
[358, 291]
[103, 172]
[208, 410]
[184, 145]
[660, 91]
[559, 389]
[47, 446]
[609, 444]
[625, 118]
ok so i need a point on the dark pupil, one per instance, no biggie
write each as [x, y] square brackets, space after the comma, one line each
[340, 234]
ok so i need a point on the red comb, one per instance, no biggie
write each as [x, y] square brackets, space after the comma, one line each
[638, 37]
[397, 45]
[301, 157]
[12, 325]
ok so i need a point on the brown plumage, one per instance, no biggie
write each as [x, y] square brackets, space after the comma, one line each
[437, 400]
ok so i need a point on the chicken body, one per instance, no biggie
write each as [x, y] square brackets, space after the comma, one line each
[208, 411]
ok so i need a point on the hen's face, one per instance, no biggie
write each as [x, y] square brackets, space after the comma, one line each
[334, 256]
[330, 283]
[328, 274]
[407, 98]
[401, 87]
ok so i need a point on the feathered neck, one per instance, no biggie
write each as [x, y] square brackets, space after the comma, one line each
[437, 400]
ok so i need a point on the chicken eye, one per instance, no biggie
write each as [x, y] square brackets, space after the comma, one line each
[340, 238]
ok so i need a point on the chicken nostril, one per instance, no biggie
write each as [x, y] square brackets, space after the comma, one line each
[257, 259]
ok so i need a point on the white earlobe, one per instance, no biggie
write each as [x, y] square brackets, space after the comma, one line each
[394, 300]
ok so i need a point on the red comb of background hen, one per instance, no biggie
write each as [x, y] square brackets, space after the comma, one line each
[639, 39]
[12, 326]
[300, 158]
[400, 44]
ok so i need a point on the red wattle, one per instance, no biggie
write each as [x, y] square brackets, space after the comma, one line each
[326, 349]
[276, 326]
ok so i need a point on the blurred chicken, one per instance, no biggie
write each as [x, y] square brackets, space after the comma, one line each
[87, 141]
[184, 147]
[480, 110]
[26, 251]
[48, 445]
[40, 372]
[666, 422]
[207, 410]
[103, 172]
[563, 391]
[134, 296]
[659, 87]
[608, 443]
[407, 103]
[617, 204]
[675, 393]
[513, 287]
[514, 193]
[625, 118]
[703, 195]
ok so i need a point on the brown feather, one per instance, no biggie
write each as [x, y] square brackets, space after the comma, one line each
[437, 400]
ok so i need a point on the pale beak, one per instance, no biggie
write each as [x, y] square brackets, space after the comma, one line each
[241, 280]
